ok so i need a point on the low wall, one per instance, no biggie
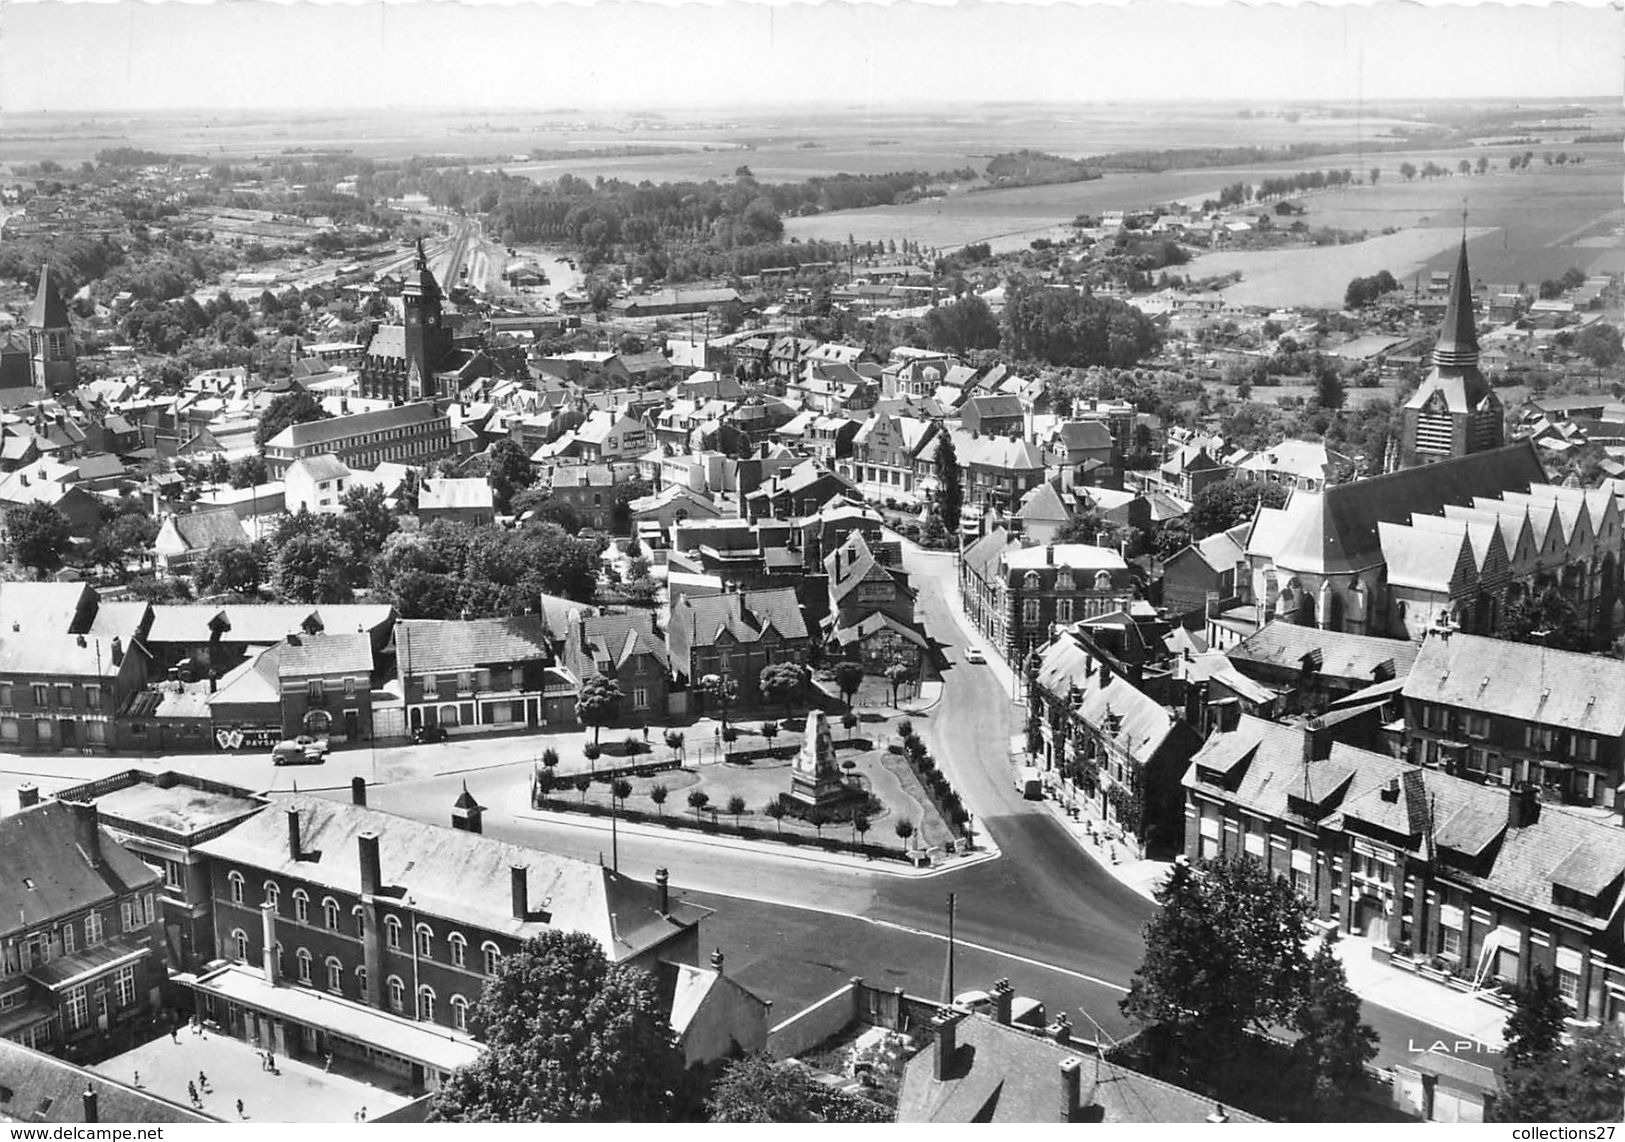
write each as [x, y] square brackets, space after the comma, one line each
[857, 1003]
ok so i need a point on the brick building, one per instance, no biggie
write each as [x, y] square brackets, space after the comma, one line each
[405, 434]
[480, 674]
[1014, 593]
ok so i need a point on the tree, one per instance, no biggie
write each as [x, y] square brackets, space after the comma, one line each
[1329, 390]
[127, 536]
[286, 410]
[1482, 165]
[770, 730]
[620, 789]
[961, 325]
[509, 473]
[781, 682]
[760, 1088]
[1059, 326]
[736, 808]
[314, 568]
[1407, 171]
[1376, 173]
[568, 1037]
[582, 784]
[698, 799]
[1332, 1041]
[1225, 503]
[674, 742]
[897, 674]
[904, 830]
[950, 494]
[860, 826]
[39, 536]
[658, 794]
[550, 757]
[366, 523]
[1224, 956]
[1544, 618]
[599, 703]
[1534, 1030]
[228, 568]
[775, 809]
[249, 472]
[848, 677]
[1600, 342]
[1579, 1081]
[849, 722]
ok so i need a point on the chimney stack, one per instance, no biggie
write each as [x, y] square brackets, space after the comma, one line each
[295, 853]
[1003, 999]
[117, 650]
[663, 883]
[27, 795]
[946, 1026]
[1071, 1086]
[371, 867]
[87, 826]
[1061, 1030]
[716, 960]
[518, 875]
[358, 791]
[92, 1111]
[1523, 806]
[268, 937]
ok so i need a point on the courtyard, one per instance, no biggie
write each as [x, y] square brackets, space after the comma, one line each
[296, 1092]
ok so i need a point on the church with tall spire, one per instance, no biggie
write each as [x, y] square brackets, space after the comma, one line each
[53, 362]
[416, 360]
[1455, 412]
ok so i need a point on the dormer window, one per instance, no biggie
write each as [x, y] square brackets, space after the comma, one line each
[1031, 581]
[1063, 580]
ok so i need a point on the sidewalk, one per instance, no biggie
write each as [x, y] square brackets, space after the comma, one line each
[985, 851]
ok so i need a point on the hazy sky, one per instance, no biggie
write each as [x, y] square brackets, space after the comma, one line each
[263, 53]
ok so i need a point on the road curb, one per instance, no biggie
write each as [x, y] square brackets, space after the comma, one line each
[523, 811]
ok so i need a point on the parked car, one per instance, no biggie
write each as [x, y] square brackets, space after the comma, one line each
[299, 751]
[425, 734]
[975, 657]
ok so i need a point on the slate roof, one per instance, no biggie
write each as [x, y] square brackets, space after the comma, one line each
[256, 681]
[444, 493]
[1220, 551]
[1519, 680]
[44, 872]
[1084, 434]
[388, 341]
[1335, 531]
[1068, 671]
[1283, 644]
[260, 623]
[456, 876]
[429, 645]
[996, 452]
[323, 467]
[1043, 503]
[36, 1087]
[315, 655]
[48, 310]
[64, 629]
[337, 428]
[1422, 558]
[200, 530]
[616, 639]
[746, 616]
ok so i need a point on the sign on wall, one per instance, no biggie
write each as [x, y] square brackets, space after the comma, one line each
[243, 738]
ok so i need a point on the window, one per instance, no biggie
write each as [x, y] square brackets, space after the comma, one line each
[67, 939]
[1063, 610]
[425, 941]
[361, 981]
[1568, 986]
[1452, 942]
[64, 695]
[1031, 581]
[273, 895]
[5, 694]
[1585, 747]
[1103, 580]
[1538, 737]
[392, 933]
[330, 914]
[1029, 612]
[301, 906]
[44, 731]
[493, 957]
[93, 929]
[236, 880]
[302, 958]
[124, 986]
[78, 1009]
[349, 685]
[96, 733]
[459, 1013]
[239, 941]
[640, 698]
[459, 949]
[1478, 726]
[360, 915]
[42, 694]
[430, 682]
[335, 975]
[313, 689]
[126, 915]
[397, 994]
[426, 1004]
[93, 697]
[1301, 884]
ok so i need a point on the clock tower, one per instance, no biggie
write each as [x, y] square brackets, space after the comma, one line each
[428, 338]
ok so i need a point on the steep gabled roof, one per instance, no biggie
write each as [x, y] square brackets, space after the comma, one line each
[48, 310]
[47, 873]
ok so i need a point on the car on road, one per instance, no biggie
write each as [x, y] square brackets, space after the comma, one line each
[299, 751]
[975, 657]
[1030, 782]
[423, 735]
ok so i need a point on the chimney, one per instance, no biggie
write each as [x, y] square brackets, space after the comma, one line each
[1523, 806]
[87, 824]
[663, 883]
[521, 904]
[1071, 1085]
[371, 869]
[358, 790]
[92, 1112]
[1390, 792]
[1003, 1000]
[946, 1026]
[294, 852]
[716, 960]
[27, 795]
[1061, 1030]
[1317, 742]
[268, 936]
[117, 650]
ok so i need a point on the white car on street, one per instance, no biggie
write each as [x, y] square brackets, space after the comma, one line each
[975, 657]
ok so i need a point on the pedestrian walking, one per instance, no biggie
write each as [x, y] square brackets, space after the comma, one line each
[270, 1061]
[191, 1089]
[363, 1114]
[329, 1064]
[202, 1081]
[137, 1079]
[239, 1108]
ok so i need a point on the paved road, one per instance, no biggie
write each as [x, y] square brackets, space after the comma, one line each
[1044, 914]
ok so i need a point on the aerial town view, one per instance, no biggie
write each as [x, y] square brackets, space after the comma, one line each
[663, 568]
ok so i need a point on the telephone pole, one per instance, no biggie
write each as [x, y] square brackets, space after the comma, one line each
[948, 980]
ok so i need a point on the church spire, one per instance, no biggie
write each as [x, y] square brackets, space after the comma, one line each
[48, 311]
[1458, 339]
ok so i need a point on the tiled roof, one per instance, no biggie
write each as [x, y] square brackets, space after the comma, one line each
[314, 655]
[323, 467]
[317, 432]
[1354, 656]
[201, 530]
[426, 645]
[593, 639]
[456, 876]
[746, 616]
[45, 873]
[1522, 681]
[1067, 670]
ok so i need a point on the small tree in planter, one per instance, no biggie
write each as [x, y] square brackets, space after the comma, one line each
[770, 730]
[897, 674]
[860, 827]
[736, 808]
[550, 757]
[849, 721]
[599, 703]
[658, 794]
[905, 831]
[633, 745]
[545, 781]
[848, 678]
[698, 799]
[674, 742]
[905, 729]
[620, 789]
[592, 751]
[730, 734]
[775, 809]
[583, 783]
